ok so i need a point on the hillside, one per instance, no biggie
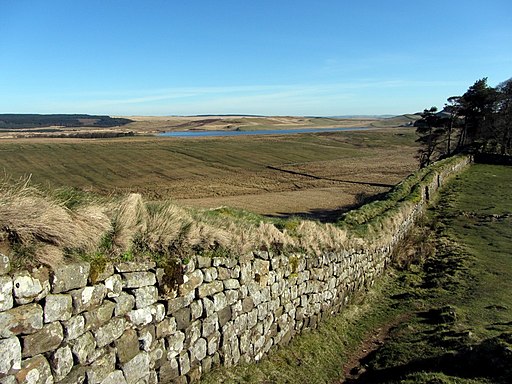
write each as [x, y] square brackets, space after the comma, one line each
[156, 124]
[28, 121]
[402, 120]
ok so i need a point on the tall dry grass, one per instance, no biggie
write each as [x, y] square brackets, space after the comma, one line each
[30, 218]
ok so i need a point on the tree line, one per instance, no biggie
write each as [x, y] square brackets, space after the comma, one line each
[479, 121]
[18, 121]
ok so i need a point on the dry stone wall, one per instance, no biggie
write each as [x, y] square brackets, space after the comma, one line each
[124, 323]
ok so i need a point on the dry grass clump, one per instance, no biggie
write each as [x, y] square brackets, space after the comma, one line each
[316, 237]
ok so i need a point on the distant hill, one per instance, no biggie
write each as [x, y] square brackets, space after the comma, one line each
[20, 121]
[362, 116]
[402, 120]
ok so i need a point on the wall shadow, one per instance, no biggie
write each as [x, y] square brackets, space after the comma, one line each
[330, 215]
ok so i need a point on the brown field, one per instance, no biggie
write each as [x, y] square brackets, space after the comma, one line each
[316, 175]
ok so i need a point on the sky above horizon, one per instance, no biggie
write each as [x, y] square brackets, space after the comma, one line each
[280, 57]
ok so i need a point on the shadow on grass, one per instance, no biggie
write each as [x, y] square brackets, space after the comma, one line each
[489, 360]
[331, 215]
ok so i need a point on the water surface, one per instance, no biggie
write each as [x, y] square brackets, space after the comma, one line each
[260, 132]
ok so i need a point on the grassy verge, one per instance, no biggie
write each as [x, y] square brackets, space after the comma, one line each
[461, 298]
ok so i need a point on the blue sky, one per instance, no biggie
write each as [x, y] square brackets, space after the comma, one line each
[269, 57]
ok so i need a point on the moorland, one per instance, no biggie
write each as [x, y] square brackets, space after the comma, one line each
[314, 175]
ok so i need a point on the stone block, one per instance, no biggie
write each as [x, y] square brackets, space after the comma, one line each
[124, 304]
[10, 351]
[35, 370]
[61, 362]
[256, 292]
[135, 266]
[99, 316]
[88, 298]
[6, 297]
[175, 344]
[138, 279]
[169, 371]
[219, 301]
[206, 364]
[181, 380]
[196, 309]
[203, 261]
[208, 307]
[115, 377]
[11, 379]
[74, 327]
[213, 343]
[190, 282]
[158, 312]
[114, 286]
[101, 368]
[137, 368]
[25, 319]
[43, 275]
[210, 324]
[110, 332]
[261, 269]
[210, 274]
[246, 275]
[146, 337]
[166, 327]
[71, 276]
[231, 284]
[223, 273]
[158, 354]
[184, 362]
[224, 262]
[224, 315]
[183, 318]
[231, 297]
[210, 289]
[26, 288]
[57, 307]
[76, 376]
[127, 346]
[46, 339]
[176, 304]
[236, 308]
[235, 272]
[192, 333]
[5, 264]
[83, 347]
[247, 304]
[140, 317]
[198, 349]
[145, 296]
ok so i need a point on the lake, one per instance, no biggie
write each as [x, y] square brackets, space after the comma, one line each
[261, 132]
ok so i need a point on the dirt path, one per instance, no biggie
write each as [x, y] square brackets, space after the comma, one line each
[354, 367]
